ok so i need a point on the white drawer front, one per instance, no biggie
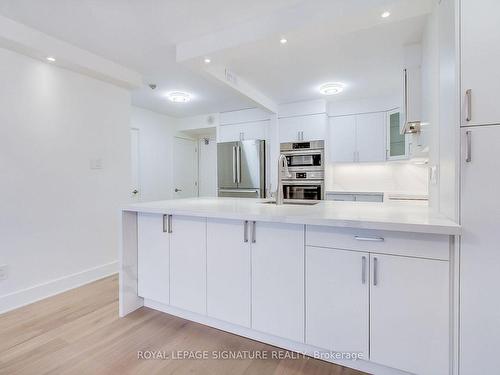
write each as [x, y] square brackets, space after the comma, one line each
[432, 246]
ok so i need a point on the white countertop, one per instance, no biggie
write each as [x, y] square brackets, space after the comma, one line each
[395, 216]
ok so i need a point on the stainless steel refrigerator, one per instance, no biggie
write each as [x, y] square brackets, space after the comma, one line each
[241, 169]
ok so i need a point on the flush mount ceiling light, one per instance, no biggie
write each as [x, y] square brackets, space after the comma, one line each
[207, 60]
[178, 97]
[51, 59]
[331, 88]
[283, 40]
[385, 14]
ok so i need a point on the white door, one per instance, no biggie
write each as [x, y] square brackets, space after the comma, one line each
[480, 251]
[228, 271]
[480, 59]
[152, 258]
[371, 137]
[314, 127]
[337, 287]
[135, 189]
[342, 139]
[278, 279]
[245, 131]
[188, 263]
[185, 168]
[409, 314]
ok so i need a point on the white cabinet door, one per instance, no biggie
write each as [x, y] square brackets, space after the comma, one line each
[278, 280]
[337, 287]
[480, 252]
[228, 271]
[244, 131]
[371, 137]
[409, 314]
[480, 59]
[342, 139]
[188, 263]
[152, 258]
[309, 128]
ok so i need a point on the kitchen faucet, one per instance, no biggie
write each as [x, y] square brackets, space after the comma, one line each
[282, 171]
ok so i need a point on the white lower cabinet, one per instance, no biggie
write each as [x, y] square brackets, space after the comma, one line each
[188, 263]
[228, 271]
[278, 280]
[337, 290]
[409, 314]
[153, 258]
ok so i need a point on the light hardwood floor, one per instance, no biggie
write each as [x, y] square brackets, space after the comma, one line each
[79, 332]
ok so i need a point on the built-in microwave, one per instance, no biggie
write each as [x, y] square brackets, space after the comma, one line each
[303, 190]
[302, 156]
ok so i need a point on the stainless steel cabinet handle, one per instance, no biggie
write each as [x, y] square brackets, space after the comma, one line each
[363, 270]
[234, 164]
[468, 105]
[468, 146]
[405, 94]
[372, 239]
[375, 271]
[165, 224]
[238, 164]
[245, 231]
[253, 232]
[169, 223]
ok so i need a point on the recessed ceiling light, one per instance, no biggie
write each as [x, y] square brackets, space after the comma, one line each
[207, 60]
[283, 40]
[331, 88]
[385, 14]
[179, 97]
[51, 59]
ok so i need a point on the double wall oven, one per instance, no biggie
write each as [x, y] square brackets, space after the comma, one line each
[307, 170]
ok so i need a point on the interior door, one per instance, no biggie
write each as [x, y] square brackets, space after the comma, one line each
[251, 166]
[480, 251]
[135, 189]
[185, 168]
[226, 165]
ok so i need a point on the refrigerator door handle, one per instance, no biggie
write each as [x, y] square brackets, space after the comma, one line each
[234, 164]
[238, 164]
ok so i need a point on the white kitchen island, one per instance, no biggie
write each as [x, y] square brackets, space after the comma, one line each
[376, 279]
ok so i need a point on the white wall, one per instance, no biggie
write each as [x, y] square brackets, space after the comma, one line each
[59, 219]
[156, 133]
[405, 178]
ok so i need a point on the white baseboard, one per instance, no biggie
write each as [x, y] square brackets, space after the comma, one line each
[37, 292]
[309, 350]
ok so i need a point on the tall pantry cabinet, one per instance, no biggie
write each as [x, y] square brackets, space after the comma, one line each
[480, 181]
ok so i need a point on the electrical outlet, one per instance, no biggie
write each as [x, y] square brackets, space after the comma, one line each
[3, 272]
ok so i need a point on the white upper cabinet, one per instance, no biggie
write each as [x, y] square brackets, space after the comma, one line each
[357, 138]
[278, 279]
[153, 258]
[188, 263]
[480, 59]
[243, 131]
[337, 286]
[371, 137]
[302, 128]
[409, 310]
[228, 271]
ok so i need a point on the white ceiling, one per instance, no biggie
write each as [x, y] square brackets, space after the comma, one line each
[328, 40]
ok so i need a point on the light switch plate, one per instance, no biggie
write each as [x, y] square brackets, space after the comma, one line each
[96, 163]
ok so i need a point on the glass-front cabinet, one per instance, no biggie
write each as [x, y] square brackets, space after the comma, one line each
[397, 143]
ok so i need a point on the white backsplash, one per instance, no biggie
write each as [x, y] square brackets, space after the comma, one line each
[403, 178]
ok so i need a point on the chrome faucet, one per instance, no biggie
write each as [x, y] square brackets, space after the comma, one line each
[282, 171]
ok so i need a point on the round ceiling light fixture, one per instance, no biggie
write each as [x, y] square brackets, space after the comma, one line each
[385, 14]
[283, 40]
[51, 59]
[331, 88]
[207, 60]
[179, 97]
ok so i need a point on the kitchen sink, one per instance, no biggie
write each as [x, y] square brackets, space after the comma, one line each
[298, 203]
